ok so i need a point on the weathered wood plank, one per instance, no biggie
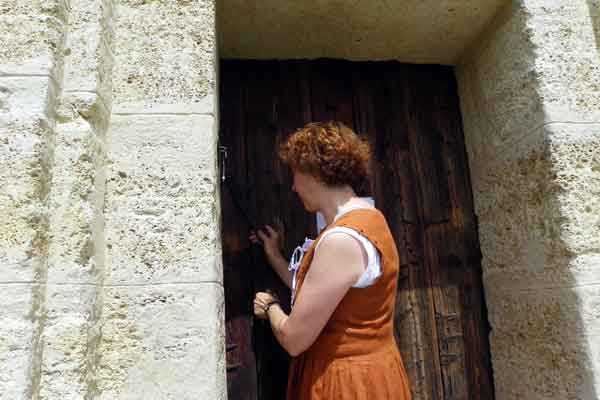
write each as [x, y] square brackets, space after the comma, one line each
[379, 106]
[331, 91]
[463, 226]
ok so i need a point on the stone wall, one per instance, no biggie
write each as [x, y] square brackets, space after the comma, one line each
[530, 98]
[110, 275]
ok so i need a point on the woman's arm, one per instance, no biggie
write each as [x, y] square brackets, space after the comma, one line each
[280, 265]
[337, 265]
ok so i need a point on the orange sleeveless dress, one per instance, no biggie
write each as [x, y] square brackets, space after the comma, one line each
[355, 356]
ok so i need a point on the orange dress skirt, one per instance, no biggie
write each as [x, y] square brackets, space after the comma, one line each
[377, 376]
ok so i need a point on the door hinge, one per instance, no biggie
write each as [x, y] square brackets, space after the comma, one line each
[447, 316]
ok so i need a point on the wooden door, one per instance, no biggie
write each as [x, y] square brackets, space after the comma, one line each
[410, 114]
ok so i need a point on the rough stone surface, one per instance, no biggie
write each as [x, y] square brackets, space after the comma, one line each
[418, 32]
[30, 75]
[72, 301]
[32, 35]
[541, 346]
[17, 340]
[88, 50]
[26, 146]
[567, 58]
[529, 96]
[162, 218]
[77, 196]
[499, 88]
[165, 52]
[162, 342]
[71, 330]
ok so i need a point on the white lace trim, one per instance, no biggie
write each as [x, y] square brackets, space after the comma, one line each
[296, 261]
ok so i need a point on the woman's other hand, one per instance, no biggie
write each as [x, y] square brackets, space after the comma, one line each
[270, 239]
[261, 300]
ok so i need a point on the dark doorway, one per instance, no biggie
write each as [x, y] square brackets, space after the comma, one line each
[410, 114]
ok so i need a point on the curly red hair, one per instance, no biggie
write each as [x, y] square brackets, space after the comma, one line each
[330, 151]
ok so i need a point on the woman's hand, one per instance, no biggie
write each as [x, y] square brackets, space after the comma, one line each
[270, 239]
[261, 300]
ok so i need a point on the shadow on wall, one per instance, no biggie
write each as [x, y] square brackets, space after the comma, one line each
[594, 6]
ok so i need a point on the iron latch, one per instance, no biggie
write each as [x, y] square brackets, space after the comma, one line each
[223, 157]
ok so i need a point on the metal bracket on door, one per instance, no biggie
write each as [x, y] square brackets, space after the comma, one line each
[447, 317]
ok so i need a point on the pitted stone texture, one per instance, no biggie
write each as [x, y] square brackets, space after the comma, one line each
[31, 32]
[162, 342]
[426, 31]
[567, 58]
[71, 331]
[594, 9]
[88, 52]
[17, 336]
[539, 215]
[161, 200]
[26, 146]
[76, 198]
[498, 87]
[165, 52]
[546, 346]
[519, 219]
[575, 150]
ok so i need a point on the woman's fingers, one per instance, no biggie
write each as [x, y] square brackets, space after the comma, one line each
[262, 235]
[253, 237]
[259, 308]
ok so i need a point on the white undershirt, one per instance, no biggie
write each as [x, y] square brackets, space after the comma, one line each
[373, 269]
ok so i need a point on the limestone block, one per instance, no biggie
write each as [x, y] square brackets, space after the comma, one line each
[69, 338]
[519, 219]
[165, 53]
[17, 337]
[76, 198]
[543, 337]
[567, 58]
[538, 215]
[162, 221]
[26, 146]
[162, 342]
[88, 52]
[575, 150]
[31, 32]
[498, 88]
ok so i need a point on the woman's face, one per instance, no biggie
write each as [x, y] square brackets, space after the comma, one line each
[307, 187]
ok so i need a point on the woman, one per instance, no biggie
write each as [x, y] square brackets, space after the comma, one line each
[340, 329]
